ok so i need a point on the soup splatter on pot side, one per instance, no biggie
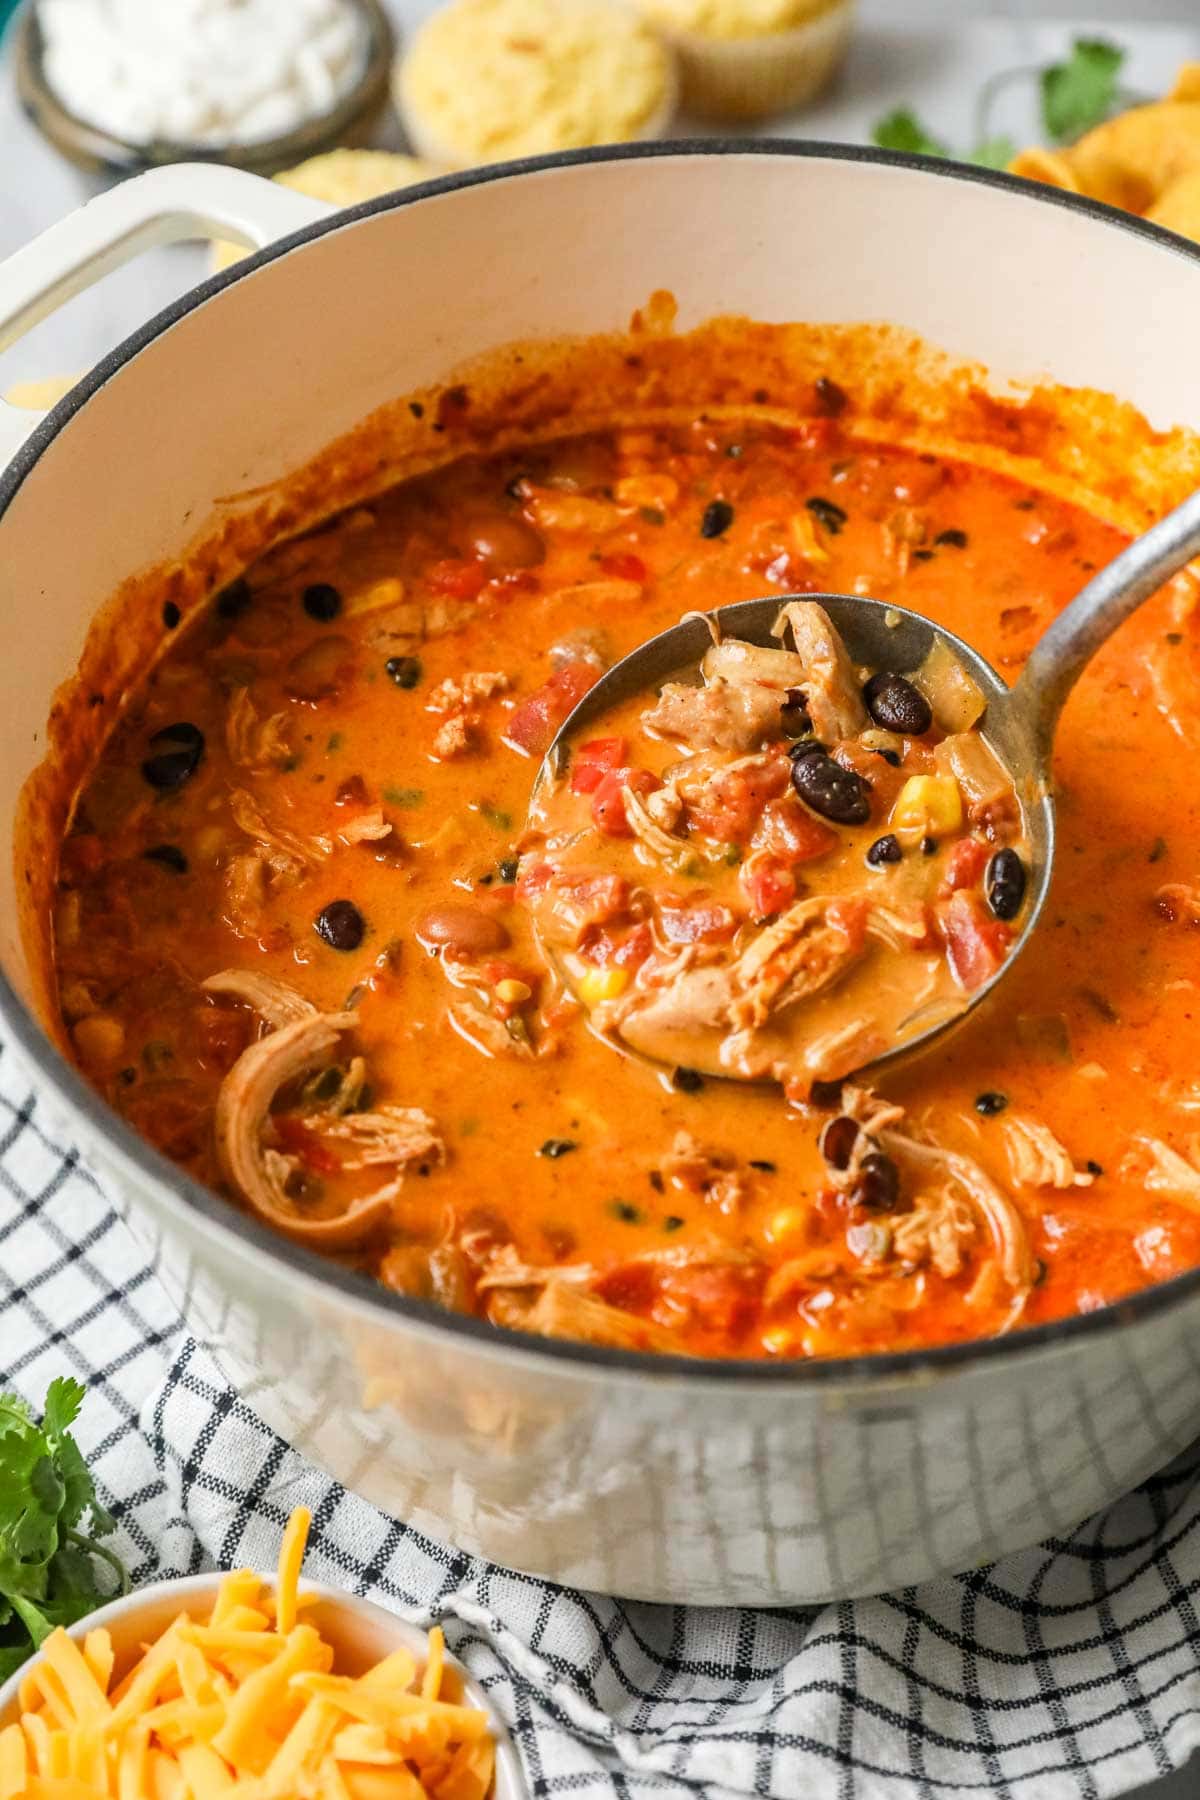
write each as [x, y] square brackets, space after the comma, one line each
[293, 951]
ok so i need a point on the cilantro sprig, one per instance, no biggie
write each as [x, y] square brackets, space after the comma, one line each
[1075, 95]
[50, 1521]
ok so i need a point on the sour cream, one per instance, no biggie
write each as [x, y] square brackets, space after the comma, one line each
[200, 71]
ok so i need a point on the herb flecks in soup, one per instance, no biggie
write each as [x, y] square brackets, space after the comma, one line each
[822, 874]
[318, 798]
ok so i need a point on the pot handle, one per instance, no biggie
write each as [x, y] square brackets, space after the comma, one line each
[184, 200]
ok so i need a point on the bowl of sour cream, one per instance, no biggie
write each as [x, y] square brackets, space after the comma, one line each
[124, 85]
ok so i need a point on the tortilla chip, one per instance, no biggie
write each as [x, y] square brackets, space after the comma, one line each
[1053, 167]
[343, 177]
[1130, 160]
[1178, 206]
[1187, 83]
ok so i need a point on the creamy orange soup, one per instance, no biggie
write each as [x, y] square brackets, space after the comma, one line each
[293, 951]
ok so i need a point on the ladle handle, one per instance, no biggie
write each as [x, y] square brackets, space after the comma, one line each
[1062, 653]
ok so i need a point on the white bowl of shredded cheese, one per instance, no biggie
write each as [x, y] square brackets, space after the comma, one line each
[126, 84]
[284, 1689]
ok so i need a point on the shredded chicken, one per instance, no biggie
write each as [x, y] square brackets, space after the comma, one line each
[938, 1231]
[506, 1269]
[455, 737]
[903, 533]
[455, 693]
[1010, 1240]
[486, 1032]
[665, 806]
[1036, 1158]
[563, 1311]
[367, 828]
[900, 927]
[390, 1134]
[274, 1001]
[714, 1174]
[283, 849]
[258, 1171]
[843, 1049]
[587, 643]
[253, 742]
[831, 689]
[800, 954]
[1166, 1171]
[720, 716]
[672, 853]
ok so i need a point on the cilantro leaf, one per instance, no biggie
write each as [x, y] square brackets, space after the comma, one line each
[1079, 93]
[48, 1564]
[903, 130]
[994, 153]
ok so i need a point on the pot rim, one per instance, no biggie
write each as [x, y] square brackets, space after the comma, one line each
[246, 1236]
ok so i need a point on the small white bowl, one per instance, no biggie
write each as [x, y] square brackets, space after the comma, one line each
[360, 1632]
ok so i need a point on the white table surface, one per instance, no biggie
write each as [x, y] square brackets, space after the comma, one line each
[932, 53]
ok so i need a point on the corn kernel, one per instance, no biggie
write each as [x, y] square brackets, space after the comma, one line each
[596, 985]
[513, 992]
[928, 805]
[788, 1224]
[777, 1340]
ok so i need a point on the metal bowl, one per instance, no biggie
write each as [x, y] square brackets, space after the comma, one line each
[350, 122]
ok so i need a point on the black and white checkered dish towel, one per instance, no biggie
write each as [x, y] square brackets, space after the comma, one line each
[1071, 1672]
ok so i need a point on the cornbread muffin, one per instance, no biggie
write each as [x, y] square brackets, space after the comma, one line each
[343, 177]
[39, 396]
[746, 59]
[490, 79]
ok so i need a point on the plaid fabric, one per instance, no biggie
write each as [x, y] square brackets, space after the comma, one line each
[1068, 1673]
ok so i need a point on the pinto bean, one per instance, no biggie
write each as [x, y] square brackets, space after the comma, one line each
[462, 930]
[506, 543]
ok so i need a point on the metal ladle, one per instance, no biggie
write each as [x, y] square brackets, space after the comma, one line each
[1019, 721]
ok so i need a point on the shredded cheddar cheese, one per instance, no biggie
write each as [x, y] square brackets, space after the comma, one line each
[245, 1704]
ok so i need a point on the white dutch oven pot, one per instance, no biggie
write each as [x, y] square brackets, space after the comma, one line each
[665, 1479]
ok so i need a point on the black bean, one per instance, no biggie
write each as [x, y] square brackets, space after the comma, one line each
[826, 1094]
[507, 870]
[808, 747]
[405, 671]
[717, 517]
[1005, 884]
[514, 487]
[234, 599]
[340, 924]
[988, 1104]
[794, 721]
[890, 757]
[179, 751]
[831, 399]
[885, 850]
[762, 1165]
[171, 615]
[929, 846]
[922, 555]
[830, 515]
[836, 793]
[169, 855]
[954, 538]
[837, 1141]
[673, 1222]
[322, 601]
[1093, 1167]
[688, 1081]
[897, 705]
[556, 1147]
[877, 1184]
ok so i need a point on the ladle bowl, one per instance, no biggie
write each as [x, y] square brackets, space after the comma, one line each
[1018, 722]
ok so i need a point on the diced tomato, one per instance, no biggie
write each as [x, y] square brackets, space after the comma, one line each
[461, 579]
[730, 809]
[975, 942]
[533, 725]
[533, 878]
[608, 801]
[594, 759]
[966, 863]
[769, 886]
[722, 1300]
[849, 915]
[606, 950]
[632, 1287]
[791, 833]
[222, 1035]
[581, 901]
[623, 565]
[298, 1140]
[697, 921]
